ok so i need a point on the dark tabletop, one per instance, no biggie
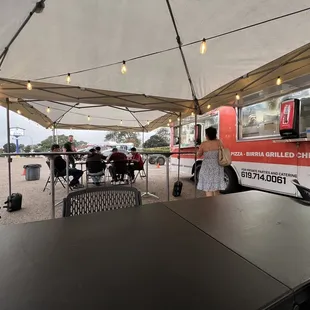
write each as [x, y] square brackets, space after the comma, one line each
[271, 231]
[139, 258]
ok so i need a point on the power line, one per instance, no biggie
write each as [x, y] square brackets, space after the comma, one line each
[176, 47]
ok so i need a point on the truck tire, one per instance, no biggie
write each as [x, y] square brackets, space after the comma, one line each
[152, 160]
[231, 180]
[161, 160]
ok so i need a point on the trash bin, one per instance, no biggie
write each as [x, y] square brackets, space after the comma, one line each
[32, 172]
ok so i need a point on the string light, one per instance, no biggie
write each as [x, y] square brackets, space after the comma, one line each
[208, 107]
[88, 118]
[168, 125]
[279, 81]
[237, 97]
[203, 46]
[68, 79]
[124, 68]
[48, 110]
[121, 122]
[19, 112]
[193, 114]
[170, 120]
[29, 86]
[148, 122]
[178, 119]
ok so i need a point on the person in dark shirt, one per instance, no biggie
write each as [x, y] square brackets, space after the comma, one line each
[118, 160]
[60, 166]
[137, 163]
[69, 147]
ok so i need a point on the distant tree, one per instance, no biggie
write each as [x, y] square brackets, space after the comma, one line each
[46, 144]
[155, 141]
[12, 148]
[164, 133]
[21, 147]
[123, 137]
[27, 148]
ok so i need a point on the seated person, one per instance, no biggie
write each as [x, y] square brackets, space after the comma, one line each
[95, 165]
[137, 161]
[119, 163]
[98, 151]
[60, 167]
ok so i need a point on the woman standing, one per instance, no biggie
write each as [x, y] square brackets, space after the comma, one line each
[211, 176]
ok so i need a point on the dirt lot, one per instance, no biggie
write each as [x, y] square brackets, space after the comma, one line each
[37, 204]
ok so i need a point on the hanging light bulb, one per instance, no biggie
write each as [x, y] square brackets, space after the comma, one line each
[178, 119]
[237, 97]
[208, 107]
[88, 118]
[29, 86]
[170, 120]
[279, 81]
[124, 68]
[193, 113]
[48, 110]
[121, 122]
[148, 122]
[19, 112]
[68, 79]
[168, 125]
[203, 46]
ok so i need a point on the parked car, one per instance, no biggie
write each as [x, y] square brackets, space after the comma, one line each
[108, 152]
[157, 159]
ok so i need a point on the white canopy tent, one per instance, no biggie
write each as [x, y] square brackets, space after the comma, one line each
[91, 38]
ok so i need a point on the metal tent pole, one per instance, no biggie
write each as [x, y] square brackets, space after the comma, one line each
[53, 134]
[179, 155]
[67, 174]
[168, 177]
[38, 8]
[9, 148]
[195, 175]
[147, 193]
[52, 172]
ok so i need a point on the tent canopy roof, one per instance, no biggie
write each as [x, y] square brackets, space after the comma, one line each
[89, 39]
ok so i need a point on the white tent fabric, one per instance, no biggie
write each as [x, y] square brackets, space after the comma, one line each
[75, 35]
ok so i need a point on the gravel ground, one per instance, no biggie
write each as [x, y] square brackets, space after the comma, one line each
[36, 204]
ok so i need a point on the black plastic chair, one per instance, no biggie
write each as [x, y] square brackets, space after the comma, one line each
[304, 191]
[95, 171]
[60, 176]
[98, 199]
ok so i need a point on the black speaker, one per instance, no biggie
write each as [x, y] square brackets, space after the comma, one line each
[14, 203]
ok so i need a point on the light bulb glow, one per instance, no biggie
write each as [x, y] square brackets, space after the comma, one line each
[19, 111]
[279, 81]
[48, 110]
[178, 119]
[29, 86]
[148, 122]
[124, 68]
[237, 97]
[121, 122]
[170, 120]
[68, 79]
[193, 113]
[208, 107]
[168, 125]
[88, 118]
[203, 46]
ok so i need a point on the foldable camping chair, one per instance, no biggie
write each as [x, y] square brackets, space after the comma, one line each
[95, 171]
[59, 177]
[141, 172]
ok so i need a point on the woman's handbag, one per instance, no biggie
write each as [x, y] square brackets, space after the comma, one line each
[224, 156]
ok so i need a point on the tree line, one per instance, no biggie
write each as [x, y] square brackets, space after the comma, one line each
[159, 139]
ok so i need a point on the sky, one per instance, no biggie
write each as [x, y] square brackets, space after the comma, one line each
[35, 133]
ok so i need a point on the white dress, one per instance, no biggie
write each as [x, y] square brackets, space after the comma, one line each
[211, 176]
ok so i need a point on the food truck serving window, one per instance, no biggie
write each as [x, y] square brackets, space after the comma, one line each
[260, 120]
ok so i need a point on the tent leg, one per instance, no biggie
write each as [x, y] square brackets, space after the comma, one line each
[168, 177]
[9, 148]
[52, 170]
[147, 193]
[195, 158]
